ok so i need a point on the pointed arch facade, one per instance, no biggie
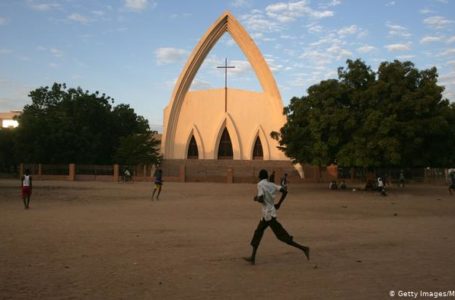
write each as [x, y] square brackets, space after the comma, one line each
[229, 125]
[225, 23]
[196, 135]
[259, 133]
[225, 146]
[258, 153]
[193, 152]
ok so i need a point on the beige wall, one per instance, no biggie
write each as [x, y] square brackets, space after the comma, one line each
[202, 113]
[249, 114]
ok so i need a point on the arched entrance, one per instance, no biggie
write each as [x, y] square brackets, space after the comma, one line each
[193, 152]
[225, 147]
[258, 154]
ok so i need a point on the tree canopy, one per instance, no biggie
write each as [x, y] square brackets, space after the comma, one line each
[138, 149]
[7, 154]
[64, 125]
[395, 117]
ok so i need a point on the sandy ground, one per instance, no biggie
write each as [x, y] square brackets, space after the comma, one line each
[87, 240]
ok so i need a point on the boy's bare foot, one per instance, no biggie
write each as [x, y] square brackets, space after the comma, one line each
[306, 251]
[249, 259]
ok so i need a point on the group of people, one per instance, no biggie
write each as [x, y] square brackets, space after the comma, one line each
[334, 186]
[380, 183]
[158, 181]
[26, 185]
[266, 192]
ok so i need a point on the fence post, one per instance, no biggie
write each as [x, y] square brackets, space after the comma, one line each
[153, 169]
[21, 170]
[116, 172]
[40, 170]
[318, 173]
[72, 172]
[182, 173]
[230, 176]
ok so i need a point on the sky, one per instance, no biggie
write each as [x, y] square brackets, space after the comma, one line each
[134, 50]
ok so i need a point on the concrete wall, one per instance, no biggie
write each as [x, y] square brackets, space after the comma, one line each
[195, 170]
[233, 171]
[236, 171]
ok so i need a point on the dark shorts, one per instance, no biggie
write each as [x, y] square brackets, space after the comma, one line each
[277, 229]
[26, 191]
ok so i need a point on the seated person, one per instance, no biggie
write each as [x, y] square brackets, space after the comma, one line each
[343, 185]
[369, 186]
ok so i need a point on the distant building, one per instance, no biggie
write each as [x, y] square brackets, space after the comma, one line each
[7, 119]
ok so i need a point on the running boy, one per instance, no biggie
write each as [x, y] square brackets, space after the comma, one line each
[158, 183]
[266, 196]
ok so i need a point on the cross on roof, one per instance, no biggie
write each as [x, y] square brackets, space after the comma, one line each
[225, 67]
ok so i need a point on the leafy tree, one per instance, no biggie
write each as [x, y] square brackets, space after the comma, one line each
[395, 117]
[8, 161]
[138, 149]
[71, 125]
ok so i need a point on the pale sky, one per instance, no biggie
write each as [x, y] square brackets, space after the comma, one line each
[134, 50]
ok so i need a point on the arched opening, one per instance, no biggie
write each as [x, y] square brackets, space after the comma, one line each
[258, 154]
[226, 22]
[193, 152]
[225, 147]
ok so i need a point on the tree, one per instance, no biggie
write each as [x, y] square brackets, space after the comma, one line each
[395, 117]
[71, 125]
[138, 149]
[8, 161]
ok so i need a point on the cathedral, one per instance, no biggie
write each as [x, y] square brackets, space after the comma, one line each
[223, 124]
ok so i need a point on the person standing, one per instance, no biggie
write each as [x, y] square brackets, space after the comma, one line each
[26, 188]
[272, 177]
[284, 181]
[265, 196]
[158, 183]
[401, 179]
[343, 185]
[381, 186]
[127, 175]
[451, 182]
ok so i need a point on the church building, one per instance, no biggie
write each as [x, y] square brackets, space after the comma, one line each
[225, 123]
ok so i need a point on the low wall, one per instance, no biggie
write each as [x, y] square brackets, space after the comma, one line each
[50, 177]
[94, 178]
[228, 171]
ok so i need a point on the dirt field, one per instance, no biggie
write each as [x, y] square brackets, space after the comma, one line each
[98, 240]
